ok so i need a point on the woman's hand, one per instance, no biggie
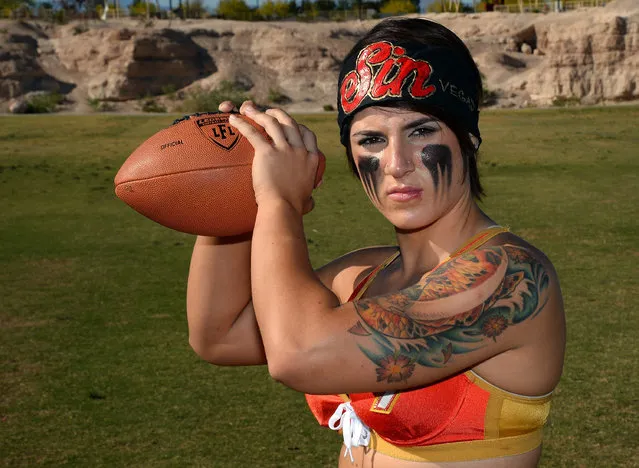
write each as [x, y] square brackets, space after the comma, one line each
[284, 168]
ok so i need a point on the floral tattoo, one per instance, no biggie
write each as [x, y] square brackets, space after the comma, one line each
[418, 325]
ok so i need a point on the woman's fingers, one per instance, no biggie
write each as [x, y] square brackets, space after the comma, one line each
[267, 122]
[227, 106]
[250, 132]
[289, 125]
[309, 139]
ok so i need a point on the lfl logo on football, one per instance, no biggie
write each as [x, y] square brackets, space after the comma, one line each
[218, 130]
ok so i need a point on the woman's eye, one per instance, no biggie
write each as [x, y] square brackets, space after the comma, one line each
[423, 131]
[370, 140]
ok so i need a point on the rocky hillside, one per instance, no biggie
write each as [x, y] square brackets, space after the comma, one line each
[584, 56]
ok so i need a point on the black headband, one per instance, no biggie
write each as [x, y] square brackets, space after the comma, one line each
[383, 72]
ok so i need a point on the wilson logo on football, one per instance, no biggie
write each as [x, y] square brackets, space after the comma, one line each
[218, 130]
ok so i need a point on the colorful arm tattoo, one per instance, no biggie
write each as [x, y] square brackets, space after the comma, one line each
[495, 287]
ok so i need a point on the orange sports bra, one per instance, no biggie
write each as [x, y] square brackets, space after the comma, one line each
[460, 418]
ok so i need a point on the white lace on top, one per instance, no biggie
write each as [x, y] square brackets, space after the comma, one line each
[354, 431]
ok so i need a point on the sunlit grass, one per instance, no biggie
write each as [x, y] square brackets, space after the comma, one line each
[96, 369]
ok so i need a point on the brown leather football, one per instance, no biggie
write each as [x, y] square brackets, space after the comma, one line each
[194, 177]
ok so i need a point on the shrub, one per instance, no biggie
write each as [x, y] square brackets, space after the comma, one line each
[398, 7]
[328, 107]
[277, 97]
[79, 29]
[441, 6]
[99, 9]
[60, 16]
[195, 9]
[100, 106]
[489, 97]
[273, 10]
[43, 103]
[138, 9]
[170, 91]
[199, 100]
[149, 104]
[563, 101]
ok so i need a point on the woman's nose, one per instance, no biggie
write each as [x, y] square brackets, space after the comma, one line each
[399, 162]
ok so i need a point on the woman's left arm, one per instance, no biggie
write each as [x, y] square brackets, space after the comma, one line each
[461, 314]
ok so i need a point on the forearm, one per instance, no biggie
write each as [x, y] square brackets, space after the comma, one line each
[219, 288]
[289, 300]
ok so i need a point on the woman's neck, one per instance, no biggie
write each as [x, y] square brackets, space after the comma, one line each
[424, 249]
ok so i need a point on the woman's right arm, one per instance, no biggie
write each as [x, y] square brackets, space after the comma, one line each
[222, 325]
[223, 329]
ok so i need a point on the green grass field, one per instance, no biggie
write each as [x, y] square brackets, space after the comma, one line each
[95, 366]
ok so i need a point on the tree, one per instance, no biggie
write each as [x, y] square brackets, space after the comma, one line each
[325, 5]
[233, 9]
[441, 6]
[142, 8]
[16, 7]
[195, 9]
[273, 10]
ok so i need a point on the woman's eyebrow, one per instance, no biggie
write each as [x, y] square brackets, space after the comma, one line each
[418, 122]
[368, 133]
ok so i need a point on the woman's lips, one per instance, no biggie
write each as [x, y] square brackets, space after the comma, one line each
[403, 194]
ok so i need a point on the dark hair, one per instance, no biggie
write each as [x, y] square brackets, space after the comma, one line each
[429, 33]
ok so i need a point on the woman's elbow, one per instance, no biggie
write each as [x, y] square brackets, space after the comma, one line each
[229, 354]
[205, 351]
[289, 370]
[213, 353]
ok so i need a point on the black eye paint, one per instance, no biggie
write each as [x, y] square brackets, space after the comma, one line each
[438, 159]
[368, 167]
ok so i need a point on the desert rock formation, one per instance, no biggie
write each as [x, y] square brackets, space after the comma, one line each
[588, 56]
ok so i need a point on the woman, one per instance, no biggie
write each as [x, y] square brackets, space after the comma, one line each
[440, 351]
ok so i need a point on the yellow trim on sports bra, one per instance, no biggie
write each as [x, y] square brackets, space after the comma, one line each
[460, 451]
[510, 414]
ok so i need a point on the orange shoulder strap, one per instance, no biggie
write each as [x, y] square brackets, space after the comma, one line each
[474, 242]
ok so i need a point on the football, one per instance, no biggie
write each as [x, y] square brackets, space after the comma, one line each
[195, 177]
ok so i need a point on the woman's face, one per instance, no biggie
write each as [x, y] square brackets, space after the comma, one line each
[410, 165]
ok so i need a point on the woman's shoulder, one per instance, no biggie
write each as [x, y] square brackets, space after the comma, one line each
[344, 273]
[516, 244]
[532, 293]
[530, 265]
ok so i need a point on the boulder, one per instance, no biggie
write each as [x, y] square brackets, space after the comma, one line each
[18, 105]
[20, 70]
[123, 65]
[526, 49]
[596, 59]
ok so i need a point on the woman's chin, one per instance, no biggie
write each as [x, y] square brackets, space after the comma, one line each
[407, 225]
